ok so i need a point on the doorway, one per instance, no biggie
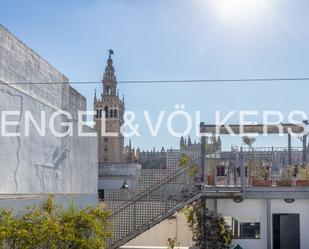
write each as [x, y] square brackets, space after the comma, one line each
[286, 233]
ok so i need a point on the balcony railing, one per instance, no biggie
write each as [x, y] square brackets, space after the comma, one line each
[264, 166]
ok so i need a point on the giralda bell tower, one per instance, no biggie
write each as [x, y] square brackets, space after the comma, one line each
[109, 109]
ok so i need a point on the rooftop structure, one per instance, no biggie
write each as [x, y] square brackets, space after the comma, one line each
[246, 187]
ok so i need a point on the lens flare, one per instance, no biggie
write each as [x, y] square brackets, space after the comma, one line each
[233, 11]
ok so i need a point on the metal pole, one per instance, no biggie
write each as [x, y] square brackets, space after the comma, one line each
[202, 160]
[272, 155]
[242, 170]
[289, 149]
[305, 144]
[305, 149]
[236, 169]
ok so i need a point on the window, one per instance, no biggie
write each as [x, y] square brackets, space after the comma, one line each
[244, 227]
[101, 194]
[220, 170]
[106, 111]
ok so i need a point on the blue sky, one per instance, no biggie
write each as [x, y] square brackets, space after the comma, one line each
[175, 39]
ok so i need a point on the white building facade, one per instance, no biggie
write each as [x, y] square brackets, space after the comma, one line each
[37, 164]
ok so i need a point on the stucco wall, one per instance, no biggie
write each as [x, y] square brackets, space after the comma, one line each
[37, 164]
[173, 227]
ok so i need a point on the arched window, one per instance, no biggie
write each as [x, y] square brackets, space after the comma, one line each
[111, 113]
[100, 114]
[97, 114]
[106, 111]
[115, 113]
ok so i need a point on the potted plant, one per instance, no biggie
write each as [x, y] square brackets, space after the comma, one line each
[251, 165]
[303, 176]
[286, 177]
[210, 161]
[210, 171]
[262, 174]
[251, 168]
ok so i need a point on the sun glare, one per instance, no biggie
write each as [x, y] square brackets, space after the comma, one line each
[233, 11]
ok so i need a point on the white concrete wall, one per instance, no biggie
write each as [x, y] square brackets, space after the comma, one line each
[257, 209]
[115, 182]
[38, 164]
[112, 176]
[248, 208]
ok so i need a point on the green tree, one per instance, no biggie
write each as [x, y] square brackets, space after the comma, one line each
[191, 170]
[49, 226]
[209, 229]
